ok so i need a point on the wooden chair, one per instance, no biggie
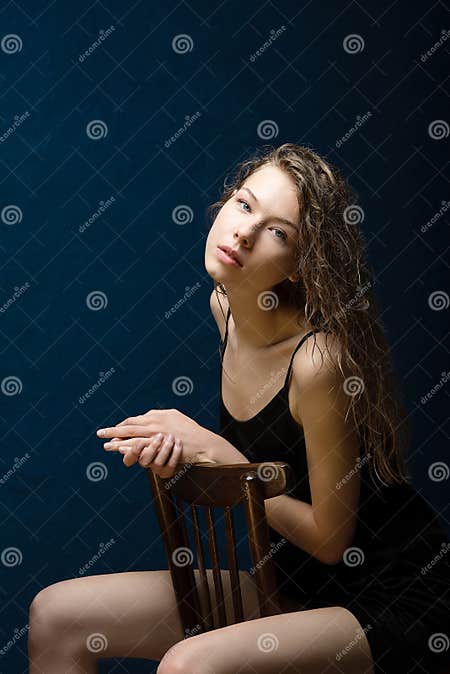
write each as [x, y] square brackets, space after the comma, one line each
[207, 486]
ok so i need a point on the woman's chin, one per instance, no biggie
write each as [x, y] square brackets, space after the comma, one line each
[215, 270]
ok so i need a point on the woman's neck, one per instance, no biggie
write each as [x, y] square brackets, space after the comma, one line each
[258, 328]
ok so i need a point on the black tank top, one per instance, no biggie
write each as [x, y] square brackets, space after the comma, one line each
[388, 521]
[272, 433]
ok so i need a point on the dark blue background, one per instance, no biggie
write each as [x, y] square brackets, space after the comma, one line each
[55, 346]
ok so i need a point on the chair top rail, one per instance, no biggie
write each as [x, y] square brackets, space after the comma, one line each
[220, 485]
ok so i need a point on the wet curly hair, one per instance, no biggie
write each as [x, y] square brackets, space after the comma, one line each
[335, 295]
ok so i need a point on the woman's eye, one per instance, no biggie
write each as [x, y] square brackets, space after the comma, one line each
[242, 201]
[284, 235]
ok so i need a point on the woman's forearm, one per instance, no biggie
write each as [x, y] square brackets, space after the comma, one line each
[219, 450]
[294, 519]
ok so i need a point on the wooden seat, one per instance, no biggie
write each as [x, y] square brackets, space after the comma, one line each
[202, 487]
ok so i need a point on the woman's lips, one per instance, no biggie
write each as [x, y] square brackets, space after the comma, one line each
[226, 258]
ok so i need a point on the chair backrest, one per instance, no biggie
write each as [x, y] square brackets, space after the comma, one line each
[207, 486]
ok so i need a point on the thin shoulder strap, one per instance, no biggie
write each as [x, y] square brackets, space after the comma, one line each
[303, 339]
[225, 339]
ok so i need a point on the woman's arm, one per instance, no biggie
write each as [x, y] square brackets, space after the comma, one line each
[324, 528]
[218, 450]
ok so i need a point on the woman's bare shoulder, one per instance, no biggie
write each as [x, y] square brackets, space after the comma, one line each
[316, 358]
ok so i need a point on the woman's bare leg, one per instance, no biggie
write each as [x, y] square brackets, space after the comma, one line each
[311, 641]
[76, 622]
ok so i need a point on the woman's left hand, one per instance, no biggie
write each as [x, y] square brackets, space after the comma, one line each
[135, 433]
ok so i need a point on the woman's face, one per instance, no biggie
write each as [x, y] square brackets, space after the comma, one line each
[248, 223]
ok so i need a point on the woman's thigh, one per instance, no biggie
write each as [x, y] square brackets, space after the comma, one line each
[130, 614]
[328, 639]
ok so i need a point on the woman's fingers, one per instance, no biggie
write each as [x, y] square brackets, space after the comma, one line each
[150, 450]
[132, 452]
[162, 453]
[164, 450]
[168, 457]
[176, 454]
[126, 443]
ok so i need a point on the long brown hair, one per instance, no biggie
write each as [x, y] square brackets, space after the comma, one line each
[334, 294]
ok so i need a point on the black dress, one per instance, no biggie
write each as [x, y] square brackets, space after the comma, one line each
[395, 576]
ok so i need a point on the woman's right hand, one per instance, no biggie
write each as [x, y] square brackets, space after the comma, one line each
[162, 454]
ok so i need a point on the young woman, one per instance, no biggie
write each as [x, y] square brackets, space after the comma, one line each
[360, 557]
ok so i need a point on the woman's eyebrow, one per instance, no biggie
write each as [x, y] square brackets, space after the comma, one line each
[283, 220]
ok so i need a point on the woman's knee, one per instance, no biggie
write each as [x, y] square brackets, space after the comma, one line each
[185, 658]
[51, 615]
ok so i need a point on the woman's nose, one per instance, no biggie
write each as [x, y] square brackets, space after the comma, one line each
[245, 232]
